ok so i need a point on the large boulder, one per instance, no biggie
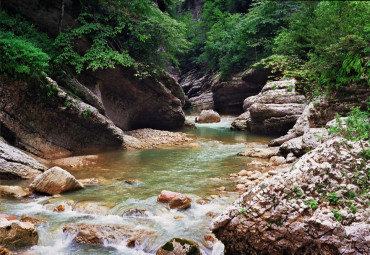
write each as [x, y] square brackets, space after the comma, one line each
[14, 233]
[55, 181]
[208, 116]
[318, 206]
[273, 111]
[93, 234]
[50, 123]
[179, 246]
[15, 164]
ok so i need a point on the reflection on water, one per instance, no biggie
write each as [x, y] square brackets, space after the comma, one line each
[186, 170]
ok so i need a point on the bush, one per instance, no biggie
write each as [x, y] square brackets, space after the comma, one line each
[21, 59]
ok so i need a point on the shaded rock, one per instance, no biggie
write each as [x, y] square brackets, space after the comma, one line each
[289, 213]
[15, 164]
[197, 87]
[312, 138]
[55, 181]
[180, 202]
[14, 192]
[137, 213]
[151, 138]
[92, 208]
[208, 116]
[93, 234]
[14, 233]
[28, 118]
[32, 220]
[260, 152]
[240, 123]
[228, 96]
[273, 111]
[179, 246]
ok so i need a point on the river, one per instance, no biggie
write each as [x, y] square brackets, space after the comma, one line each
[196, 172]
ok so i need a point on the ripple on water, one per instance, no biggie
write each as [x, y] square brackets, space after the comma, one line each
[185, 170]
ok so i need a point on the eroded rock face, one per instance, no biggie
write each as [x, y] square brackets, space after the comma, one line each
[229, 96]
[197, 87]
[274, 111]
[290, 212]
[55, 181]
[15, 164]
[179, 246]
[14, 233]
[208, 116]
[45, 126]
[93, 234]
[133, 103]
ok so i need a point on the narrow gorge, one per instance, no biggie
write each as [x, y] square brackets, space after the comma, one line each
[184, 127]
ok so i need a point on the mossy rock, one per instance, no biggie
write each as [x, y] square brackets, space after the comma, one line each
[179, 246]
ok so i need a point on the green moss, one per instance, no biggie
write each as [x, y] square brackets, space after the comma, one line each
[194, 250]
[168, 246]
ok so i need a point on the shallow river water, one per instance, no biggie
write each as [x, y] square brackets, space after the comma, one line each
[196, 172]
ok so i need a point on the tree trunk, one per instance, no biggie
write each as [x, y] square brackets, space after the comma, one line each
[61, 17]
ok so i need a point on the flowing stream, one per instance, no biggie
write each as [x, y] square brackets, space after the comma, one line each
[196, 172]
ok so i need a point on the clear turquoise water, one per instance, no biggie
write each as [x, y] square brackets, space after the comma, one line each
[187, 170]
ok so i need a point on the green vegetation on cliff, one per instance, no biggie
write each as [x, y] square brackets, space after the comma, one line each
[323, 44]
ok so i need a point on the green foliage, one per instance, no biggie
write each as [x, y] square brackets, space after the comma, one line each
[331, 40]
[356, 126]
[19, 58]
[313, 204]
[237, 40]
[23, 49]
[134, 33]
[353, 209]
[242, 211]
[333, 198]
[86, 113]
[337, 215]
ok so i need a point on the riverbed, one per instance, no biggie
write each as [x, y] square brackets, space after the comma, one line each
[197, 172]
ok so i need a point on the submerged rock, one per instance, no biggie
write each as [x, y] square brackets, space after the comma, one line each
[315, 207]
[14, 233]
[179, 246]
[93, 234]
[14, 192]
[55, 181]
[137, 213]
[32, 220]
[15, 164]
[92, 208]
[208, 116]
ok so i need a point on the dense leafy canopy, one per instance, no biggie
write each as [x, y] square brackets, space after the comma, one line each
[323, 44]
